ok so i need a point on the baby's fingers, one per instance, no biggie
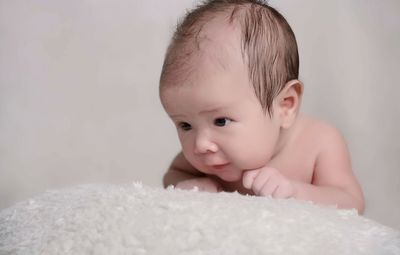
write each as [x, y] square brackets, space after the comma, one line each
[285, 190]
[248, 178]
[269, 187]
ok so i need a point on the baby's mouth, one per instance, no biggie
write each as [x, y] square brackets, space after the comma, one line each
[220, 166]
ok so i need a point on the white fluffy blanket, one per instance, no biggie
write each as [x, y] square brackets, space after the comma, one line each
[132, 219]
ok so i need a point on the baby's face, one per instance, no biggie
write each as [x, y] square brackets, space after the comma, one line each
[220, 122]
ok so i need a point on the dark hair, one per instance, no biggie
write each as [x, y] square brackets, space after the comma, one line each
[268, 45]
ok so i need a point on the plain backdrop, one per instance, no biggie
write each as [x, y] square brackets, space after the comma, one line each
[79, 91]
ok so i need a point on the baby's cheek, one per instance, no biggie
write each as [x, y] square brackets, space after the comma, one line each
[247, 159]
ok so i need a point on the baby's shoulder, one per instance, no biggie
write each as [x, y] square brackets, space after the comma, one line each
[320, 132]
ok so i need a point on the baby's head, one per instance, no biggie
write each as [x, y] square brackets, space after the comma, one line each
[229, 83]
[265, 41]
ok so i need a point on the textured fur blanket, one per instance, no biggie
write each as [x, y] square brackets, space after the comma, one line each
[133, 219]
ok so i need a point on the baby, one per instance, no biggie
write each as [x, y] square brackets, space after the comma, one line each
[230, 84]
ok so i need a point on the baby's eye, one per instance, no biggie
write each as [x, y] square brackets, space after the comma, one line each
[185, 126]
[221, 122]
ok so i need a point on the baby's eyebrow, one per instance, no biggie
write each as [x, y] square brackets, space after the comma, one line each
[212, 110]
[174, 116]
[206, 111]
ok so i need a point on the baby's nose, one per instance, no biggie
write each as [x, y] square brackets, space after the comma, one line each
[203, 144]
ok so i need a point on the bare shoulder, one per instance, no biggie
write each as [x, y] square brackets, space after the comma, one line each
[332, 166]
[332, 161]
[322, 133]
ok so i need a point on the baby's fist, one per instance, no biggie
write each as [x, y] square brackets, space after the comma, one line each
[268, 181]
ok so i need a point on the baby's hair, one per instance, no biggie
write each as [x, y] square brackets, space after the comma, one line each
[268, 44]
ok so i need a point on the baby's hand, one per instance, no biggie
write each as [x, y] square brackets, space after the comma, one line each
[203, 184]
[267, 181]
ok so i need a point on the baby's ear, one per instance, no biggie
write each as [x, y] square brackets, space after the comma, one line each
[289, 100]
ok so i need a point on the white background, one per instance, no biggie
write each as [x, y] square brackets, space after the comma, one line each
[79, 91]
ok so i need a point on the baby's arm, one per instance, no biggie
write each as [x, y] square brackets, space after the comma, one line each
[333, 180]
[183, 175]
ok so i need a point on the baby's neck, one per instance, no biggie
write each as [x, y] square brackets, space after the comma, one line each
[286, 135]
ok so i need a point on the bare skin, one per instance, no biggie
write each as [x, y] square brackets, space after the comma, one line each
[310, 154]
[229, 143]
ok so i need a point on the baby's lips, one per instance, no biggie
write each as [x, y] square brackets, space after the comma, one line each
[220, 166]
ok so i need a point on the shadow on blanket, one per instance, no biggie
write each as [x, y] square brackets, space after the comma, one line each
[132, 219]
